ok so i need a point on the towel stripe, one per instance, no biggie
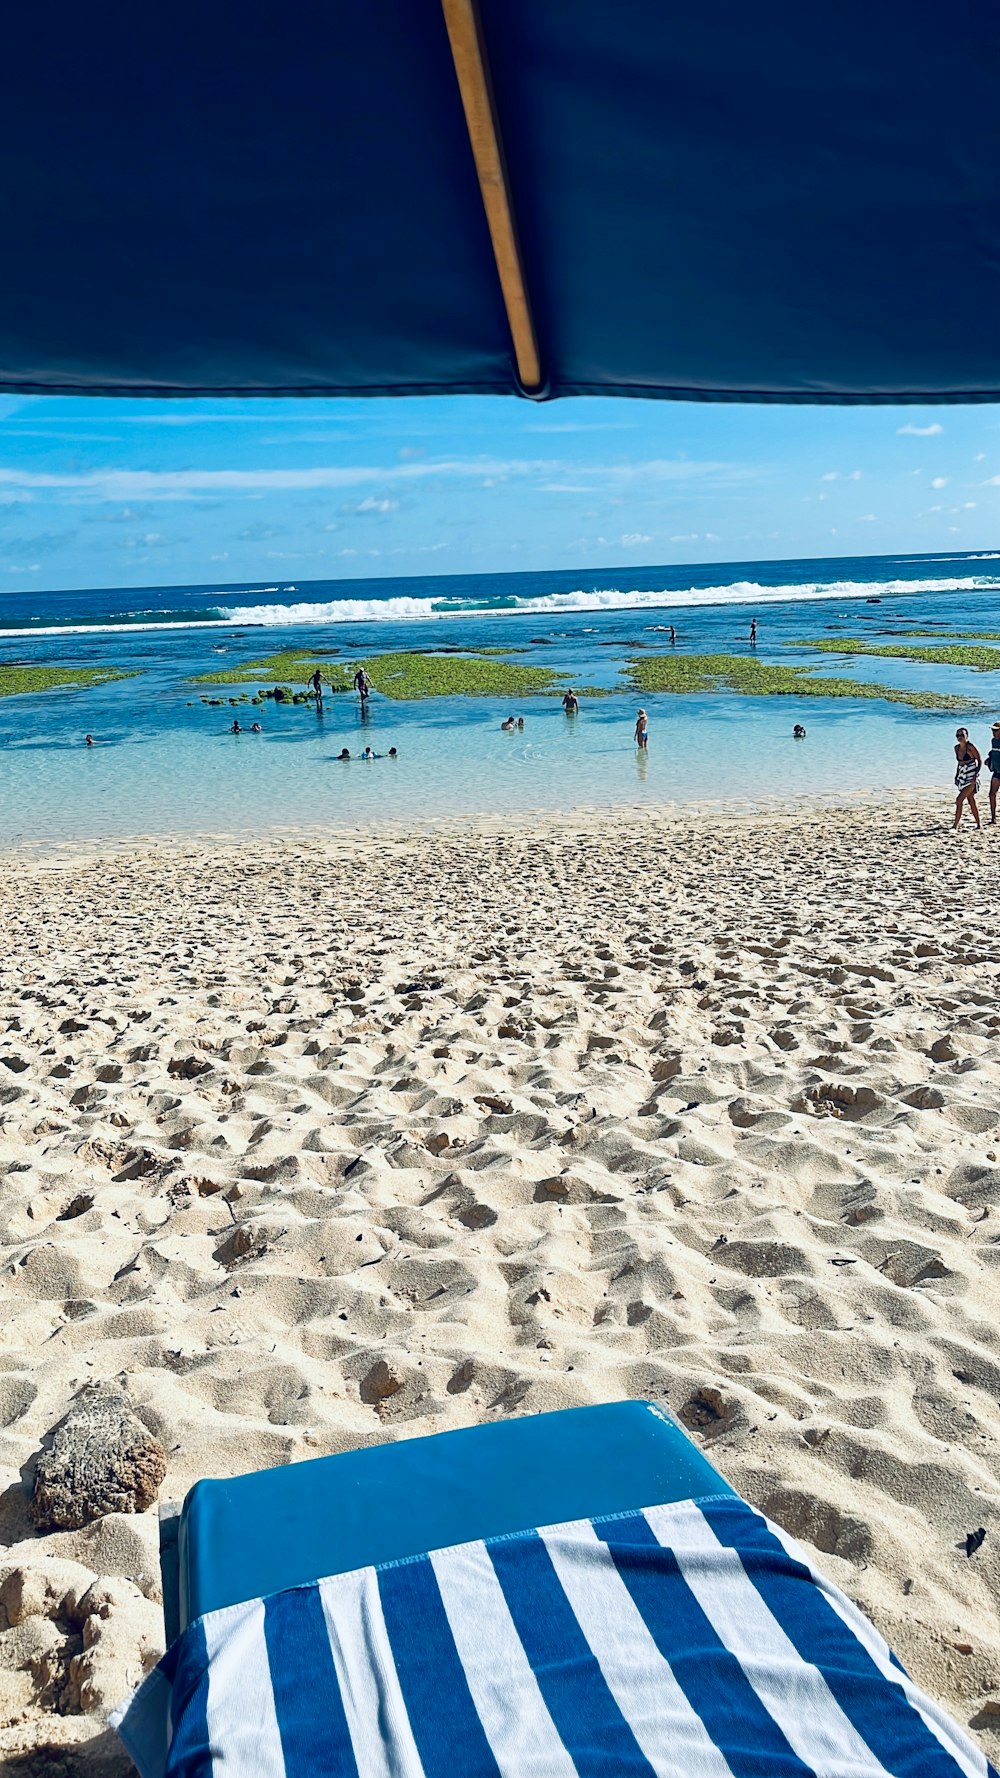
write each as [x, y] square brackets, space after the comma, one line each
[590, 1724]
[967, 1756]
[672, 1736]
[362, 1653]
[506, 1693]
[712, 1678]
[896, 1734]
[245, 1741]
[795, 1693]
[187, 1718]
[311, 1720]
[428, 1669]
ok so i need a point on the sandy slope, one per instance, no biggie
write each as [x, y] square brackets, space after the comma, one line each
[316, 1146]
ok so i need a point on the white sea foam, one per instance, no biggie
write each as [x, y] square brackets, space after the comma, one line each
[739, 592]
[27, 633]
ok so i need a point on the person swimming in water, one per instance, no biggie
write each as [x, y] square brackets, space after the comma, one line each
[255, 728]
[798, 732]
[392, 753]
[642, 731]
[235, 730]
[88, 740]
[507, 725]
[344, 753]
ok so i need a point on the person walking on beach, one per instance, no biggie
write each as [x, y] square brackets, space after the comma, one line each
[993, 761]
[362, 685]
[753, 632]
[969, 762]
[317, 685]
[641, 731]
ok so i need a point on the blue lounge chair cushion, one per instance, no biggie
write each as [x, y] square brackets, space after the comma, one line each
[257, 1534]
[691, 1638]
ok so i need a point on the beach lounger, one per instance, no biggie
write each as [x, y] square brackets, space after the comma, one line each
[572, 1593]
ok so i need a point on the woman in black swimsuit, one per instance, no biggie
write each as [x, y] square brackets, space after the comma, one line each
[992, 760]
[969, 764]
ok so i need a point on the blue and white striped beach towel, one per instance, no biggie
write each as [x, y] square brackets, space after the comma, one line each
[686, 1641]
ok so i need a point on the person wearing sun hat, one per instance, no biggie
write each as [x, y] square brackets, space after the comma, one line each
[993, 761]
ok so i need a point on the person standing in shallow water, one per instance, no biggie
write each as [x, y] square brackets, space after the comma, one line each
[642, 731]
[993, 761]
[362, 685]
[969, 762]
[753, 632]
[317, 685]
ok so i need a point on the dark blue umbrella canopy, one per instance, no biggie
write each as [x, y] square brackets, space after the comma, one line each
[725, 202]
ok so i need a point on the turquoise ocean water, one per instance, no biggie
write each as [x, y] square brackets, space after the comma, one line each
[165, 763]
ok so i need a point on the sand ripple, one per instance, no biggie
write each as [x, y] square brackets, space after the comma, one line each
[314, 1147]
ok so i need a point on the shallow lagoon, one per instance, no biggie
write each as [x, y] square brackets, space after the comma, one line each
[165, 763]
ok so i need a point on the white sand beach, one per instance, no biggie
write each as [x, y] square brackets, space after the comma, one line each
[313, 1144]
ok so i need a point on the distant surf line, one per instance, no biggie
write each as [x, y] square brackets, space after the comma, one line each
[406, 608]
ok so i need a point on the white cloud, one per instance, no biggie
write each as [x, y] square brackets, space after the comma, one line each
[23, 567]
[980, 457]
[912, 431]
[968, 506]
[188, 484]
[629, 538]
[370, 504]
[223, 556]
[855, 475]
[940, 481]
[867, 518]
[830, 476]
[685, 537]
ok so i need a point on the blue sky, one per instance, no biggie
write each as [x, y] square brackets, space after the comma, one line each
[143, 493]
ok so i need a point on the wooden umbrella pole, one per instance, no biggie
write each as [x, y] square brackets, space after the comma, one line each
[469, 58]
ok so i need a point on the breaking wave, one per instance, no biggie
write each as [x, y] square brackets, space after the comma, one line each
[739, 592]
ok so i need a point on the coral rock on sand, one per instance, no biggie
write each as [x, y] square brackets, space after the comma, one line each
[102, 1460]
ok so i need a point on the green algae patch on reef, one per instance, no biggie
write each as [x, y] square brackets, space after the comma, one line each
[753, 678]
[15, 680]
[288, 665]
[405, 675]
[410, 676]
[953, 654]
[943, 635]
